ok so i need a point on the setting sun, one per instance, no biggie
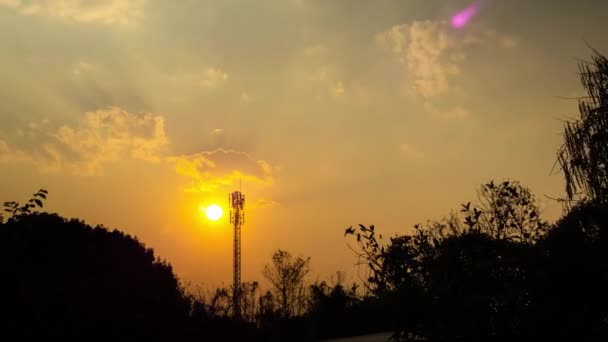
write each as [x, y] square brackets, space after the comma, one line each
[214, 212]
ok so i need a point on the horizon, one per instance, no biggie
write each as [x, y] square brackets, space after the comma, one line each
[134, 115]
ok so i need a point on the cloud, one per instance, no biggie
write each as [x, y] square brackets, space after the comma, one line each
[113, 134]
[210, 171]
[83, 11]
[456, 113]
[429, 52]
[433, 55]
[409, 151]
[100, 137]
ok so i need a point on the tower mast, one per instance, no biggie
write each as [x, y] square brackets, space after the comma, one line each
[237, 217]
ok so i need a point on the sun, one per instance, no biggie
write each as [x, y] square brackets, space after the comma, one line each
[214, 212]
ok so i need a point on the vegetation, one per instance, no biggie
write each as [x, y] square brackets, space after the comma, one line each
[65, 278]
[584, 155]
[286, 275]
[494, 271]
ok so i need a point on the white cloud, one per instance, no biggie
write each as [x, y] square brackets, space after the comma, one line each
[83, 11]
[409, 151]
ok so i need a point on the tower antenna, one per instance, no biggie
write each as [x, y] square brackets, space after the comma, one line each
[236, 201]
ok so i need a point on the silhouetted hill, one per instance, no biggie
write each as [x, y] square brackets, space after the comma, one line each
[65, 278]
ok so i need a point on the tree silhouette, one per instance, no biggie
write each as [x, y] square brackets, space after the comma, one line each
[64, 278]
[465, 276]
[337, 311]
[16, 210]
[584, 155]
[506, 211]
[572, 275]
[286, 275]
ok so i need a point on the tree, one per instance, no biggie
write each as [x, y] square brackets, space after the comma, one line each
[248, 300]
[462, 276]
[64, 278]
[335, 310]
[506, 211]
[267, 308]
[573, 274]
[286, 275]
[583, 157]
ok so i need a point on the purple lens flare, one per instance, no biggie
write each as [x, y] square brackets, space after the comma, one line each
[462, 18]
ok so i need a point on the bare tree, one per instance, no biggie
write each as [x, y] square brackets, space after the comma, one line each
[249, 308]
[220, 303]
[266, 305]
[584, 155]
[286, 274]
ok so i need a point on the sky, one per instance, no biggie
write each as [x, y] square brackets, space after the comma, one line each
[325, 113]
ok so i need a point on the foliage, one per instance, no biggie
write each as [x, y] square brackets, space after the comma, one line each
[462, 276]
[286, 274]
[16, 210]
[572, 274]
[584, 155]
[506, 211]
[65, 278]
[333, 308]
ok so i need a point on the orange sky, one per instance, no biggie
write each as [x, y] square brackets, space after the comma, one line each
[332, 113]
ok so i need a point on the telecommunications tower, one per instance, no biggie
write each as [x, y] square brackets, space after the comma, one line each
[236, 201]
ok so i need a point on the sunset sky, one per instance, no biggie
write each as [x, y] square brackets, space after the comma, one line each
[330, 113]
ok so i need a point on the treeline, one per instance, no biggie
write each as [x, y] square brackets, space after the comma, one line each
[63, 278]
[496, 270]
